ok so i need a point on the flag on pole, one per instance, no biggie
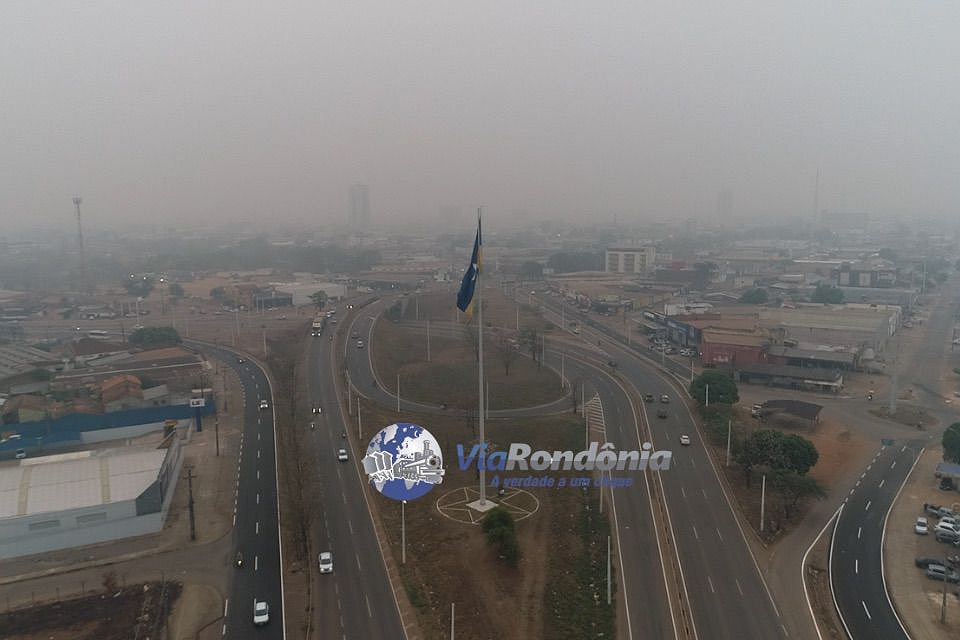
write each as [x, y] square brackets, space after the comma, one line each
[467, 285]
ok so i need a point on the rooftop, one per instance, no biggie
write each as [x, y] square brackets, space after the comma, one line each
[77, 479]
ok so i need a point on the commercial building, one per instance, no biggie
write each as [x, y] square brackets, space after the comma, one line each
[360, 206]
[629, 259]
[86, 497]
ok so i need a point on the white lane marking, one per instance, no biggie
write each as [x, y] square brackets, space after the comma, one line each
[223, 631]
[369, 610]
[695, 534]
[258, 454]
[692, 462]
[881, 483]
[869, 466]
[704, 492]
[867, 508]
[256, 563]
[893, 464]
[234, 519]
[358, 562]
[258, 528]
[350, 526]
[258, 474]
[226, 607]
[258, 435]
[738, 586]
[867, 611]
[258, 498]
[859, 531]
[862, 475]
[856, 566]
[858, 483]
[712, 590]
[903, 448]
[682, 492]
[719, 535]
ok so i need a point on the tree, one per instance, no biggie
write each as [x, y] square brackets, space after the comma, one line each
[151, 337]
[951, 443]
[799, 454]
[501, 533]
[827, 293]
[756, 451]
[319, 298]
[530, 338]
[531, 270]
[755, 296]
[794, 487]
[506, 352]
[888, 254]
[723, 389]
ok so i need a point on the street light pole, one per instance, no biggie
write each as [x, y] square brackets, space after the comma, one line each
[729, 429]
[403, 531]
[706, 400]
[398, 393]
[763, 499]
[428, 340]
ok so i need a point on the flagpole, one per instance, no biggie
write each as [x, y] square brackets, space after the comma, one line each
[479, 288]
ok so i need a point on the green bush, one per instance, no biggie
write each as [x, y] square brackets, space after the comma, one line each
[500, 528]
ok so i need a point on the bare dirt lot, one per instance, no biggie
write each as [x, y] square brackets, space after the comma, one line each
[138, 610]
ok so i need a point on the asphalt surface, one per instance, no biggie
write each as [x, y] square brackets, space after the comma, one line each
[855, 550]
[856, 547]
[726, 590]
[639, 567]
[256, 529]
[356, 600]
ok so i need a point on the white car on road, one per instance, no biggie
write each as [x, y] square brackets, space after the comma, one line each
[261, 612]
[342, 455]
[685, 439]
[264, 404]
[326, 562]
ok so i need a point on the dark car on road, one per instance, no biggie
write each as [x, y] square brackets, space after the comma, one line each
[661, 413]
[648, 397]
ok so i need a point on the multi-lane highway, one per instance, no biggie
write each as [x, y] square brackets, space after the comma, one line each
[256, 520]
[643, 585]
[356, 600]
[727, 592]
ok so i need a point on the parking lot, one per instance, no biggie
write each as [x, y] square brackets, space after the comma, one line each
[916, 597]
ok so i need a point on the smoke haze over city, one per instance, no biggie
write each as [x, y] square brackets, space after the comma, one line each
[270, 113]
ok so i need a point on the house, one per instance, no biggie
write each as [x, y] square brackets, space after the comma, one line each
[121, 392]
[26, 408]
[732, 349]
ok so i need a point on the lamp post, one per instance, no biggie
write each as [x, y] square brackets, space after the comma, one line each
[403, 532]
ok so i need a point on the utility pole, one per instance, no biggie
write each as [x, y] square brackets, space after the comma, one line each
[428, 340]
[562, 382]
[892, 408]
[763, 499]
[729, 429]
[398, 393]
[77, 201]
[403, 532]
[451, 620]
[706, 399]
[193, 523]
[359, 422]
[609, 583]
[264, 340]
[216, 430]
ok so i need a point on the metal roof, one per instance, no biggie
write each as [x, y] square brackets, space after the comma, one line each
[75, 480]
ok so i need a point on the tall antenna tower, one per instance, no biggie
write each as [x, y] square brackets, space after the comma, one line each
[77, 200]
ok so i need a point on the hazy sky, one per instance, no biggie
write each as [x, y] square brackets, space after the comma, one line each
[243, 111]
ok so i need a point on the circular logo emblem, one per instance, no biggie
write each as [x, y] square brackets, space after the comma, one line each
[403, 461]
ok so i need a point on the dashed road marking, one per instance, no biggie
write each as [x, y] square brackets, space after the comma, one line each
[881, 483]
[867, 611]
[867, 508]
[893, 464]
[859, 531]
[695, 534]
[856, 566]
[739, 588]
[710, 582]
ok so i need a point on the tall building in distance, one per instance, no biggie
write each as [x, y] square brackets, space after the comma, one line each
[725, 206]
[360, 207]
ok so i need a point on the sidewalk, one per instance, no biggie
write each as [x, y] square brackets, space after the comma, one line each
[916, 598]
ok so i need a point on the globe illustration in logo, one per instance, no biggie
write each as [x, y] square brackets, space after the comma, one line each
[404, 461]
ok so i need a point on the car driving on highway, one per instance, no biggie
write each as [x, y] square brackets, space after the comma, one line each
[261, 612]
[264, 404]
[665, 399]
[342, 455]
[685, 440]
[325, 561]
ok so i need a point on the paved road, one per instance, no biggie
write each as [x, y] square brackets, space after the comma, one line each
[647, 612]
[855, 551]
[856, 548]
[726, 590]
[356, 600]
[256, 529]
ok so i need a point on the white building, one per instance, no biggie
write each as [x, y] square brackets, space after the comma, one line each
[85, 497]
[630, 259]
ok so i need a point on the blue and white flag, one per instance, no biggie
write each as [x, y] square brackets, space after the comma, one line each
[467, 286]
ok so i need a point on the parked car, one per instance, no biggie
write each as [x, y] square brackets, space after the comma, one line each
[261, 612]
[942, 535]
[940, 572]
[950, 520]
[946, 484]
[325, 561]
[946, 526]
[923, 563]
[932, 509]
[755, 410]
[920, 526]
[20, 454]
